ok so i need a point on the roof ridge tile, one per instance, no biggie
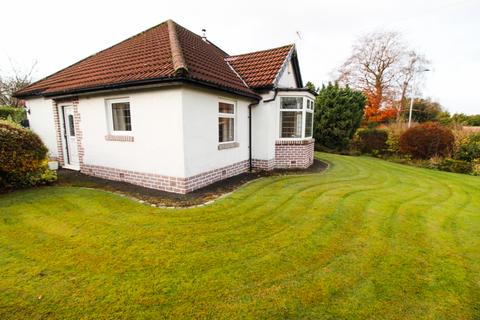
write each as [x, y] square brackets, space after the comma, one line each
[178, 60]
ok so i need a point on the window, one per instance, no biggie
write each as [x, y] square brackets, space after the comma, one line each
[226, 122]
[308, 124]
[296, 118]
[71, 125]
[119, 118]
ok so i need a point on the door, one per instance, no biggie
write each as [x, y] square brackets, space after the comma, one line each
[70, 149]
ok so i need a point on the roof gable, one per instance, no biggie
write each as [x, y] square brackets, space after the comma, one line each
[166, 52]
[261, 68]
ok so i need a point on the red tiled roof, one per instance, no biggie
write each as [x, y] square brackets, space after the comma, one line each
[165, 52]
[259, 69]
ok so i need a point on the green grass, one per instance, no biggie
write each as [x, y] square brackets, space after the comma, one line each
[366, 239]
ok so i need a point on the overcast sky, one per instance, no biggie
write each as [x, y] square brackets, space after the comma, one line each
[56, 34]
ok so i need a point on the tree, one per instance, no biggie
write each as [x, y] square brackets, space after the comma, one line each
[338, 114]
[382, 68]
[310, 86]
[10, 84]
[425, 110]
[413, 65]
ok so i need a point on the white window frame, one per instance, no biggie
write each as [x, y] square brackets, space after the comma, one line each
[308, 105]
[108, 104]
[227, 115]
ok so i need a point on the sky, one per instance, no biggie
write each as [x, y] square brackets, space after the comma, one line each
[55, 34]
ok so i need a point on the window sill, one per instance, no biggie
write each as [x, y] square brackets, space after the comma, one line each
[228, 145]
[295, 141]
[112, 137]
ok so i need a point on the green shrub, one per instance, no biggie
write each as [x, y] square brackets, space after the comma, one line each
[476, 167]
[23, 157]
[427, 140]
[12, 113]
[393, 143]
[469, 149]
[373, 141]
[458, 166]
[338, 113]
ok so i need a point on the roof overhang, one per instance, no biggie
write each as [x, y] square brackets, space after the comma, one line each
[139, 84]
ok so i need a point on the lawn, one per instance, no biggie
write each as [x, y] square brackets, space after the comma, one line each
[365, 239]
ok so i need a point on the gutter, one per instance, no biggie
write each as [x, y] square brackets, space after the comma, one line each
[275, 92]
[131, 84]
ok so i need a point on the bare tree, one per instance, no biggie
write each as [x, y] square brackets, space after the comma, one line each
[12, 82]
[413, 65]
[382, 67]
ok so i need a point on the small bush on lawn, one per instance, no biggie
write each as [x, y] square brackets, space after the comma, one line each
[12, 113]
[427, 140]
[373, 141]
[23, 157]
[457, 166]
[469, 149]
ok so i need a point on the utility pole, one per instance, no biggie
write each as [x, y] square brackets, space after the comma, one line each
[413, 97]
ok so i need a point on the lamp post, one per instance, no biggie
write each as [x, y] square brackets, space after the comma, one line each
[411, 99]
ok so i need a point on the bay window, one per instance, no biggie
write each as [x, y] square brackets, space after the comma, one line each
[296, 117]
[226, 122]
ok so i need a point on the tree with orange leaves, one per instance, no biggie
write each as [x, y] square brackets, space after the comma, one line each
[382, 68]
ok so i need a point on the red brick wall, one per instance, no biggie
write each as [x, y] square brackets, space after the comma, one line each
[58, 131]
[294, 154]
[166, 183]
[265, 165]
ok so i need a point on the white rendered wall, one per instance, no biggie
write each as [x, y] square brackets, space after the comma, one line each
[42, 122]
[264, 124]
[287, 77]
[156, 118]
[200, 116]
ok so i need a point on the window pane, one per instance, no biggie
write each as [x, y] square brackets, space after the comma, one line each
[291, 103]
[291, 124]
[71, 125]
[225, 129]
[121, 116]
[226, 108]
[308, 124]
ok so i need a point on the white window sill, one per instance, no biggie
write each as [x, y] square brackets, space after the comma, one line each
[295, 141]
[228, 145]
[115, 137]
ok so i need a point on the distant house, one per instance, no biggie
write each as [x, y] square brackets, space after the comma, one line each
[167, 109]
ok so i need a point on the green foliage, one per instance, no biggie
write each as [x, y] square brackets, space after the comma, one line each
[444, 118]
[23, 157]
[310, 86]
[425, 110]
[427, 140]
[372, 141]
[338, 113]
[470, 148]
[15, 114]
[473, 120]
[458, 166]
[393, 143]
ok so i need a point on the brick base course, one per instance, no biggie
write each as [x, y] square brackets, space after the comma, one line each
[265, 165]
[166, 183]
[294, 154]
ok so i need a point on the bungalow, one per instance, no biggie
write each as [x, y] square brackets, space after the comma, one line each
[169, 110]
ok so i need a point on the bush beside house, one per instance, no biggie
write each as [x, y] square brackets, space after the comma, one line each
[23, 157]
[338, 114]
[15, 114]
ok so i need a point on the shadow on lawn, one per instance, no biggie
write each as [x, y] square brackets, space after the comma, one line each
[69, 178]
